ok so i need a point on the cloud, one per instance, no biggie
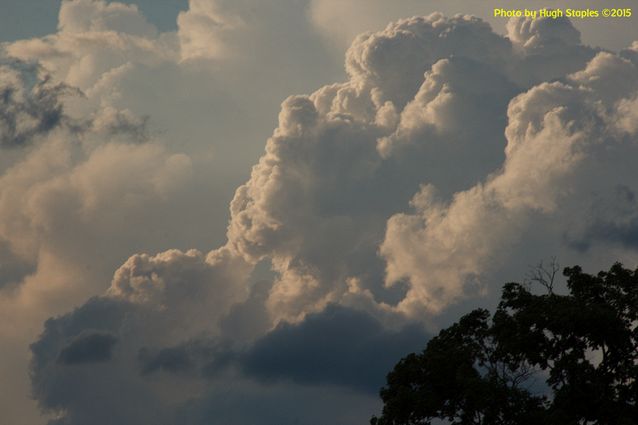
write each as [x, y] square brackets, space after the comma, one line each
[348, 157]
[50, 192]
[89, 348]
[94, 38]
[30, 103]
[198, 106]
[242, 402]
[13, 269]
[72, 173]
[332, 347]
[171, 366]
[203, 29]
[111, 53]
[557, 135]
[611, 218]
[153, 304]
[66, 220]
[189, 287]
[124, 168]
[75, 196]
[327, 348]
[387, 60]
[110, 343]
[379, 204]
[88, 16]
[172, 359]
[88, 391]
[340, 22]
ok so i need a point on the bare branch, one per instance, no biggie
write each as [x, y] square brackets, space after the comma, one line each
[544, 275]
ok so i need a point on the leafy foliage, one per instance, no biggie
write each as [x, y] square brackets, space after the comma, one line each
[540, 359]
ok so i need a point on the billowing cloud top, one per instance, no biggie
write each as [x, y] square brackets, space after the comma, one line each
[449, 157]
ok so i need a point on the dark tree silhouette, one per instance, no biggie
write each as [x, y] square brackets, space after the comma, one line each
[540, 359]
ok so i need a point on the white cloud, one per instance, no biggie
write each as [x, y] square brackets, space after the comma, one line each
[203, 30]
[557, 134]
[185, 287]
[426, 103]
[99, 16]
[95, 38]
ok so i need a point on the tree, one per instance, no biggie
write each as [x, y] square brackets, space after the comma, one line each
[539, 359]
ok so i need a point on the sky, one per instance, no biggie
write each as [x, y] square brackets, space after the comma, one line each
[246, 212]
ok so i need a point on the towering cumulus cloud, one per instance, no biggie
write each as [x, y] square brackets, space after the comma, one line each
[425, 104]
[450, 156]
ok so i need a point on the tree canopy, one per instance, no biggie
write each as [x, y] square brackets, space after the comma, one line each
[543, 358]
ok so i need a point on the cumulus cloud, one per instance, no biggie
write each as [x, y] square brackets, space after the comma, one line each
[379, 203]
[245, 30]
[72, 173]
[388, 60]
[75, 196]
[189, 287]
[108, 49]
[30, 103]
[49, 193]
[203, 29]
[442, 251]
[153, 303]
[95, 38]
[100, 175]
[198, 105]
[63, 209]
[109, 343]
[426, 103]
[88, 16]
[557, 135]
[340, 22]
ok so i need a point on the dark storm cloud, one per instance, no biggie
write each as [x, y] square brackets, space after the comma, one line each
[332, 359]
[338, 346]
[84, 334]
[88, 348]
[169, 359]
[203, 357]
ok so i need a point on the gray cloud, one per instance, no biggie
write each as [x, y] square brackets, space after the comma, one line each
[13, 269]
[246, 403]
[30, 103]
[167, 359]
[328, 353]
[612, 218]
[328, 348]
[338, 346]
[88, 348]
[96, 317]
